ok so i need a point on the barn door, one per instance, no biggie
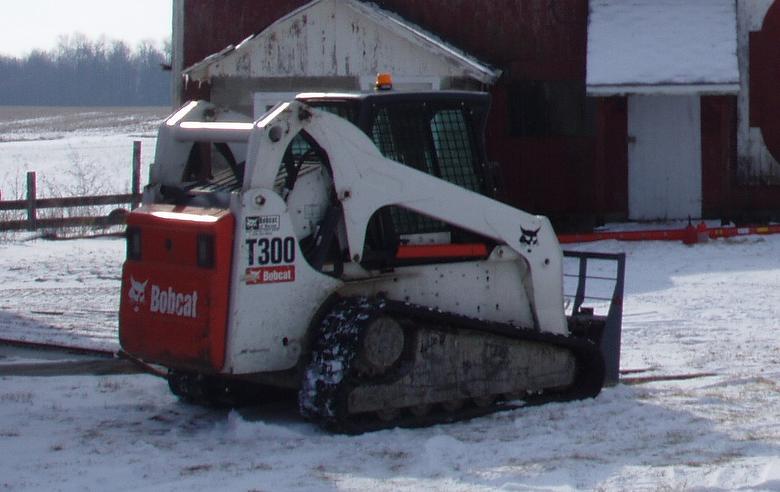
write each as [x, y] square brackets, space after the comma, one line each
[664, 157]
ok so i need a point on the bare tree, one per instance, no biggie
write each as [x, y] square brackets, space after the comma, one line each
[85, 72]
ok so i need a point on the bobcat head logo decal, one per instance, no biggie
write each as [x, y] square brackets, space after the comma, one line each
[137, 293]
[529, 237]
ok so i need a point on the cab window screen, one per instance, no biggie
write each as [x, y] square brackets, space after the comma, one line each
[437, 142]
[434, 141]
[454, 151]
[401, 134]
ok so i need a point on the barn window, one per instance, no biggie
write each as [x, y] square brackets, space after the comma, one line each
[550, 108]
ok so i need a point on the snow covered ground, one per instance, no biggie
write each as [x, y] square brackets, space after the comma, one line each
[710, 309]
[74, 151]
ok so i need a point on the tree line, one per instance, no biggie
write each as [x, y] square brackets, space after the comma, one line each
[84, 72]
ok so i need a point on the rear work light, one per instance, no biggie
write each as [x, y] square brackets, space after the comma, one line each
[133, 243]
[205, 250]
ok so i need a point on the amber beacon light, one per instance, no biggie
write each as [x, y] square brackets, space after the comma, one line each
[384, 82]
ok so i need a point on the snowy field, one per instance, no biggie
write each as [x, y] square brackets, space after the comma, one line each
[74, 151]
[710, 309]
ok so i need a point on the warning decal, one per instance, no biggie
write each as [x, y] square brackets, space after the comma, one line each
[263, 224]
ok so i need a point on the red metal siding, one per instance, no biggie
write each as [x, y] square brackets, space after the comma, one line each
[551, 175]
[764, 74]
[528, 39]
[611, 166]
[718, 154]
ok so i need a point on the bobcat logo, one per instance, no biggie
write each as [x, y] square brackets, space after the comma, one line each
[253, 223]
[529, 237]
[137, 293]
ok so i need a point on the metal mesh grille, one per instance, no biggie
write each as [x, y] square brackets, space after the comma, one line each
[434, 142]
[400, 134]
[453, 149]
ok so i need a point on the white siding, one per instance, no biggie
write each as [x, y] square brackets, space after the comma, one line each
[338, 38]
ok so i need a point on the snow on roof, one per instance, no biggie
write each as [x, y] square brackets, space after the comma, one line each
[662, 46]
[469, 66]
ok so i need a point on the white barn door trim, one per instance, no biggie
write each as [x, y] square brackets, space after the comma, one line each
[664, 157]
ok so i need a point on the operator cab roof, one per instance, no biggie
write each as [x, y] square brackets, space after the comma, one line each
[392, 96]
[361, 107]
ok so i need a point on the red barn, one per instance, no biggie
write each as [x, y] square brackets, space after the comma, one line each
[602, 109]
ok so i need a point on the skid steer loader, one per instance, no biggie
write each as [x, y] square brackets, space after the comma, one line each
[347, 246]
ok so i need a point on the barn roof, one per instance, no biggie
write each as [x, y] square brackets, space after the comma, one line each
[305, 43]
[662, 46]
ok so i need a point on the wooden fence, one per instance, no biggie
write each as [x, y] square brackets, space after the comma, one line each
[32, 204]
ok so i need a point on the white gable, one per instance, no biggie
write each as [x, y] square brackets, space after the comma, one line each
[336, 38]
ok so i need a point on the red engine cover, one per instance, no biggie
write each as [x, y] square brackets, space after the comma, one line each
[174, 311]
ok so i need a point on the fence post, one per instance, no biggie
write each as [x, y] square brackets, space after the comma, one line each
[136, 186]
[32, 218]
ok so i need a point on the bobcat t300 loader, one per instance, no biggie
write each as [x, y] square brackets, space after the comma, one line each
[346, 246]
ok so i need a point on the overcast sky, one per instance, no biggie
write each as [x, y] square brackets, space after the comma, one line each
[31, 24]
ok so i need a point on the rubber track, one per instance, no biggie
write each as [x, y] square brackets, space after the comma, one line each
[328, 379]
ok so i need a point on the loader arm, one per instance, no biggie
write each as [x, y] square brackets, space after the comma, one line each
[365, 182]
